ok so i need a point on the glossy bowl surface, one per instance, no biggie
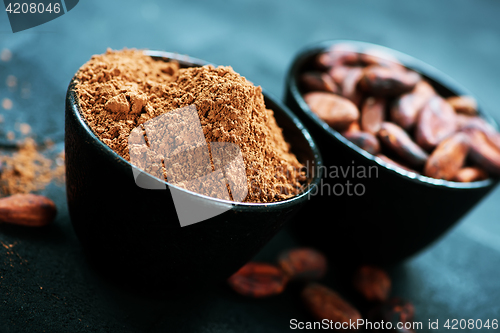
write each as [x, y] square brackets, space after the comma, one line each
[400, 212]
[133, 234]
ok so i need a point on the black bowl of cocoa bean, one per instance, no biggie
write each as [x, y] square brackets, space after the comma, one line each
[148, 234]
[407, 151]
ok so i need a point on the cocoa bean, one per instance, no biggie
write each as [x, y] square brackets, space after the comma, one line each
[364, 140]
[317, 81]
[372, 114]
[27, 209]
[340, 54]
[396, 139]
[405, 110]
[378, 57]
[448, 157]
[394, 311]
[470, 174]
[258, 280]
[373, 283]
[463, 104]
[350, 84]
[324, 303]
[336, 111]
[436, 121]
[384, 81]
[303, 264]
[485, 154]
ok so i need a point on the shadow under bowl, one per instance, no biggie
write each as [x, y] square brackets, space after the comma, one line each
[393, 213]
[133, 235]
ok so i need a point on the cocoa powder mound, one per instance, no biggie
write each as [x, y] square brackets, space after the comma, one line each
[121, 90]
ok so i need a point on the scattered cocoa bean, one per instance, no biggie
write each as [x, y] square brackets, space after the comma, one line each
[303, 264]
[436, 121]
[463, 104]
[336, 111]
[318, 81]
[258, 280]
[372, 114]
[384, 81]
[364, 140]
[470, 174]
[373, 283]
[406, 107]
[394, 311]
[324, 303]
[448, 157]
[396, 139]
[483, 152]
[27, 209]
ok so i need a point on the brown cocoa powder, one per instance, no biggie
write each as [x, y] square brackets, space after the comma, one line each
[121, 90]
[28, 169]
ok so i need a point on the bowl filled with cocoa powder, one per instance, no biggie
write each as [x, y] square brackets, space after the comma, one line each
[407, 150]
[179, 171]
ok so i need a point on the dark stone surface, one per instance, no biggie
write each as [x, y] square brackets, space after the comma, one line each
[45, 282]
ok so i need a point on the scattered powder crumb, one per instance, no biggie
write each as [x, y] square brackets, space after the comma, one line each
[11, 81]
[6, 55]
[28, 170]
[10, 135]
[7, 104]
[24, 128]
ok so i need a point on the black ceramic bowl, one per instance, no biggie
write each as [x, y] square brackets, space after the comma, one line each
[400, 212]
[133, 234]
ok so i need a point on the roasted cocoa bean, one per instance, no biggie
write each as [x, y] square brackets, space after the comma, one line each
[350, 84]
[467, 122]
[336, 111]
[463, 104]
[384, 81]
[377, 57]
[340, 54]
[405, 110]
[364, 140]
[317, 81]
[258, 280]
[324, 303]
[483, 152]
[339, 73]
[372, 114]
[373, 283]
[396, 139]
[448, 157]
[470, 174]
[353, 127]
[27, 209]
[436, 121]
[303, 264]
[394, 311]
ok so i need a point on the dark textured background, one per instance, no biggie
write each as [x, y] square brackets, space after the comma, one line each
[45, 283]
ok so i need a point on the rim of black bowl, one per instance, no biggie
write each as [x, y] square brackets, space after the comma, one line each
[426, 70]
[187, 61]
